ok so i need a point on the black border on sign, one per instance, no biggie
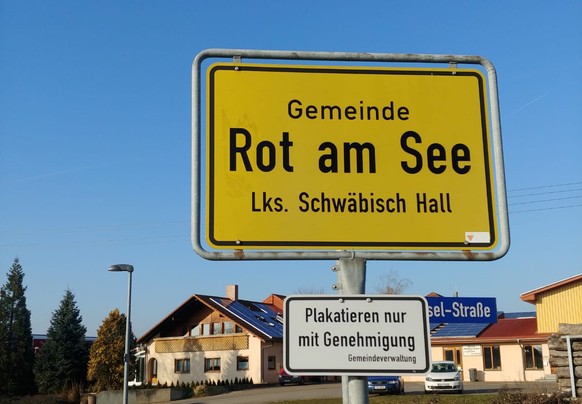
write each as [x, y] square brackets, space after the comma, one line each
[256, 244]
[323, 370]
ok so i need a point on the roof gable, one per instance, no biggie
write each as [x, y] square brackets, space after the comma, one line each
[276, 300]
[178, 316]
[531, 296]
[260, 319]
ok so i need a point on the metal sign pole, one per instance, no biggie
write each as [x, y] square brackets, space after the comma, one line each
[351, 279]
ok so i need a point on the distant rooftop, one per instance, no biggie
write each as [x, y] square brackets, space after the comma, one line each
[514, 324]
[519, 314]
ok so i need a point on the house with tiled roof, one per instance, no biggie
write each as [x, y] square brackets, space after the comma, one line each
[515, 348]
[215, 339]
[509, 350]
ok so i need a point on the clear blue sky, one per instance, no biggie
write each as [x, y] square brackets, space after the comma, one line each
[95, 142]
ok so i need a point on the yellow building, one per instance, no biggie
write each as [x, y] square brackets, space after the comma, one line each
[559, 302]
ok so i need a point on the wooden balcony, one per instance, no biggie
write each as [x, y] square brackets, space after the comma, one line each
[202, 344]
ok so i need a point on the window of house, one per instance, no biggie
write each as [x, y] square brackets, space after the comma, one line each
[271, 362]
[214, 329]
[212, 364]
[453, 354]
[533, 357]
[140, 369]
[491, 357]
[242, 363]
[181, 365]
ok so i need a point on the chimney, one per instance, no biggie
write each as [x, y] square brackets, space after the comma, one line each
[232, 292]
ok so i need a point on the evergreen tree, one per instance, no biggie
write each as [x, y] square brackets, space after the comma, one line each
[61, 363]
[16, 350]
[106, 361]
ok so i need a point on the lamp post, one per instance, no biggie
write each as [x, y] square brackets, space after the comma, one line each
[129, 269]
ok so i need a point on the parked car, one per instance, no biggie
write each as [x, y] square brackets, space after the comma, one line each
[285, 378]
[444, 376]
[385, 384]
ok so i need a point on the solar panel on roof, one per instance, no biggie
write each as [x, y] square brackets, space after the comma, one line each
[264, 321]
[460, 330]
[264, 307]
[251, 306]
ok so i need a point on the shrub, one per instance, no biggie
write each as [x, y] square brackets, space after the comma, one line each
[507, 396]
[200, 391]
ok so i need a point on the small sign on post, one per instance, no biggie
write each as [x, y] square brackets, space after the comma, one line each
[356, 334]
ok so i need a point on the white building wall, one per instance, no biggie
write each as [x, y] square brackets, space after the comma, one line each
[275, 350]
[255, 359]
[511, 365]
[258, 353]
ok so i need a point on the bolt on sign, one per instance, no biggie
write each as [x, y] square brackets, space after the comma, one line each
[345, 157]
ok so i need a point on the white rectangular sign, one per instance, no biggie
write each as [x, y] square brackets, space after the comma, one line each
[356, 334]
[472, 350]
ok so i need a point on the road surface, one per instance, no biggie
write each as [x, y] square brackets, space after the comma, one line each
[271, 394]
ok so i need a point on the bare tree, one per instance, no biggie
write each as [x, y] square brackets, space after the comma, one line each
[392, 284]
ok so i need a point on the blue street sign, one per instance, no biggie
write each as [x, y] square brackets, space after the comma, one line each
[462, 309]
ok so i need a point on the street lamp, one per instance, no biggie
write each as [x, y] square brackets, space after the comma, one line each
[129, 269]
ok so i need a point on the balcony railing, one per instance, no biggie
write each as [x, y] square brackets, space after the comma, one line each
[202, 344]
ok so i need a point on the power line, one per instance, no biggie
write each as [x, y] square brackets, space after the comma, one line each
[546, 200]
[549, 189]
[545, 186]
[547, 192]
[549, 208]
